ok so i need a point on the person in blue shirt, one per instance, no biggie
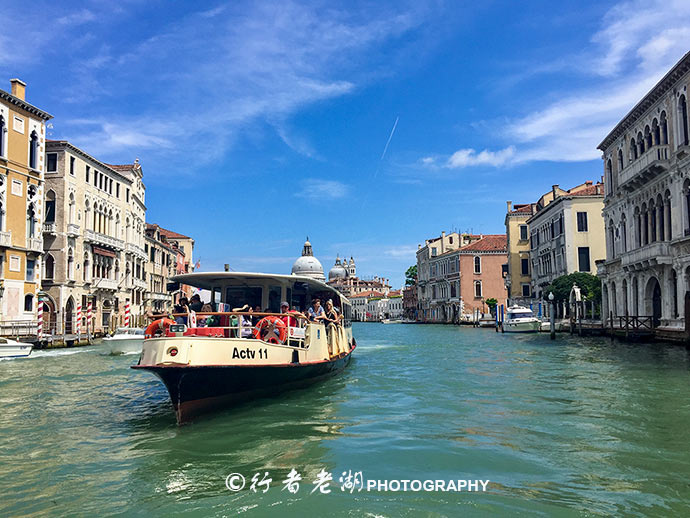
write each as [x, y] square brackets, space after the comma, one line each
[316, 312]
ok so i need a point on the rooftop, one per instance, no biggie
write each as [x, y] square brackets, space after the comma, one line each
[488, 243]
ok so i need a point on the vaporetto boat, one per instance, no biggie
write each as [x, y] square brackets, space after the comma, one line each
[519, 319]
[224, 358]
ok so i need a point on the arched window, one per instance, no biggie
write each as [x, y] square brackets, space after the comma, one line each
[3, 131]
[31, 221]
[652, 222]
[2, 215]
[87, 271]
[478, 289]
[612, 246]
[620, 160]
[647, 137]
[33, 151]
[70, 265]
[72, 209]
[609, 176]
[656, 132]
[477, 264]
[633, 150]
[28, 303]
[49, 265]
[50, 207]
[683, 112]
[640, 144]
[664, 128]
[624, 235]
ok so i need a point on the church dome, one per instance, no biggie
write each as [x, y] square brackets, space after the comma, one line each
[308, 265]
[338, 271]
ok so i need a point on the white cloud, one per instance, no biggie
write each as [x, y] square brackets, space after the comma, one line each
[639, 42]
[317, 189]
[402, 251]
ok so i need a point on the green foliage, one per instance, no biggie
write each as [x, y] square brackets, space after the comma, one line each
[411, 276]
[589, 284]
[491, 303]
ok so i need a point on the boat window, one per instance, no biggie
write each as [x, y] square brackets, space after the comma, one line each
[274, 299]
[238, 296]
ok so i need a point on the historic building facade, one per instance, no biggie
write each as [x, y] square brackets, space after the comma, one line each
[162, 264]
[518, 280]
[22, 168]
[343, 277]
[647, 206]
[481, 272]
[566, 234]
[93, 240]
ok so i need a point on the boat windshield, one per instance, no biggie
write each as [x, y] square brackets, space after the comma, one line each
[523, 313]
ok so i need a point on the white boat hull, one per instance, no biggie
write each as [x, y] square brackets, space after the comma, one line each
[124, 345]
[12, 349]
[521, 326]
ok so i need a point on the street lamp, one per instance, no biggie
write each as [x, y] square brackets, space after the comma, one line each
[552, 316]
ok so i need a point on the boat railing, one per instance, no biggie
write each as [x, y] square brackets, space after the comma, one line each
[231, 322]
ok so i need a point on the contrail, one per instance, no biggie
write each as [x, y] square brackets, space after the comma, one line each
[390, 137]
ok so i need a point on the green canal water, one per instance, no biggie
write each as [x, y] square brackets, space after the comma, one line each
[567, 428]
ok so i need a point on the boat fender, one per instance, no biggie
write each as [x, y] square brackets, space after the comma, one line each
[271, 329]
[158, 326]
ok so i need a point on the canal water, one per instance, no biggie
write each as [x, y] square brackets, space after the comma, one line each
[566, 428]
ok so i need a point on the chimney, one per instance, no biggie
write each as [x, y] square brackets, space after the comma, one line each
[227, 267]
[588, 182]
[18, 88]
[553, 191]
[443, 244]
[510, 205]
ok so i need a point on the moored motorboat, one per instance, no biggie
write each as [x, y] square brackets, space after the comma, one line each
[391, 321]
[13, 349]
[125, 340]
[227, 356]
[519, 319]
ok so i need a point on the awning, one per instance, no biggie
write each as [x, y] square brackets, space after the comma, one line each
[103, 251]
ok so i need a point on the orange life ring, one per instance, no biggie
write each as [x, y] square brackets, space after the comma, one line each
[271, 329]
[161, 325]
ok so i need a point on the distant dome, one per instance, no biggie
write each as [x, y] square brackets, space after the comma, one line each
[338, 271]
[308, 265]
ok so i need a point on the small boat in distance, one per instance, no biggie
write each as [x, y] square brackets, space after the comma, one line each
[228, 356]
[125, 340]
[13, 349]
[519, 319]
[391, 321]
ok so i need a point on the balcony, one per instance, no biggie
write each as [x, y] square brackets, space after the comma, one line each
[103, 240]
[105, 284]
[6, 239]
[49, 228]
[651, 163]
[132, 248]
[138, 283]
[648, 255]
[73, 230]
[34, 244]
[157, 296]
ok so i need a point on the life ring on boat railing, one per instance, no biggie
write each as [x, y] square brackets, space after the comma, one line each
[158, 326]
[271, 329]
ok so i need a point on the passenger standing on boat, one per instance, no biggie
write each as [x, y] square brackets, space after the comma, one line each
[195, 303]
[316, 312]
[182, 307]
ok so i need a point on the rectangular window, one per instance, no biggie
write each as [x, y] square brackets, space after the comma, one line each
[524, 263]
[88, 169]
[525, 290]
[583, 258]
[127, 195]
[433, 251]
[71, 165]
[15, 263]
[30, 266]
[523, 232]
[51, 162]
[582, 222]
[117, 190]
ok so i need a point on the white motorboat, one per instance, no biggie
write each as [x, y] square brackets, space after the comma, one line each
[391, 321]
[125, 340]
[519, 319]
[13, 349]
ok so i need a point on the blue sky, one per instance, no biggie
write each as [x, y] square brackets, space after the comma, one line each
[258, 123]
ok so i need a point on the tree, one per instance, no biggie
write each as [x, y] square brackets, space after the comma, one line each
[492, 303]
[589, 284]
[411, 276]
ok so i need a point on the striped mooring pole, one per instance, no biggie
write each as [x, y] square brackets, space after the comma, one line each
[39, 325]
[127, 313]
[78, 321]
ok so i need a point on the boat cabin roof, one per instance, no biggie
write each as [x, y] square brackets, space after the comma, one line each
[211, 280]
